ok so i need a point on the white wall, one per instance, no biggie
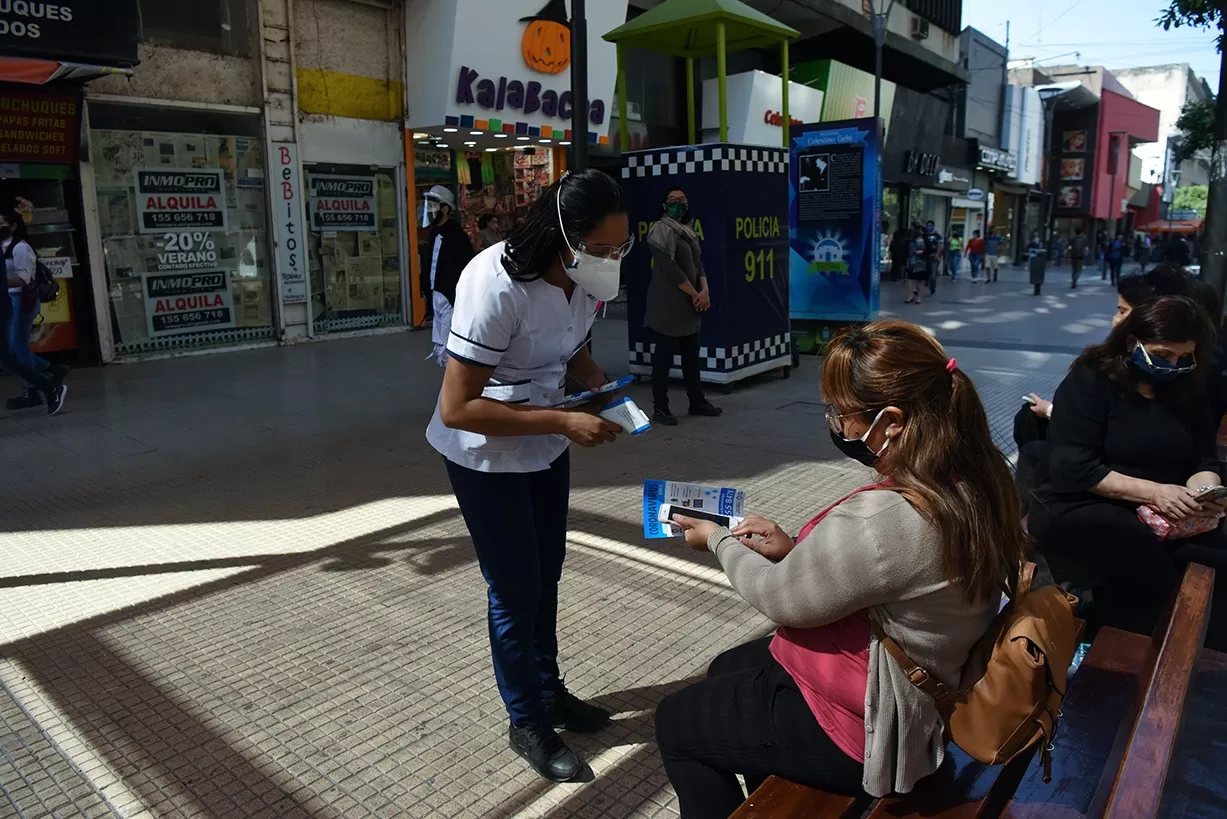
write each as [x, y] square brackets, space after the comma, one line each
[1166, 88]
[346, 141]
[750, 97]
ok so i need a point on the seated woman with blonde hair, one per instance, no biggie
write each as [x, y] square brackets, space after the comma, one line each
[922, 554]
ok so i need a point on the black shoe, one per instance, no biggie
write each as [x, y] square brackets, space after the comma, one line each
[30, 398]
[55, 399]
[664, 418]
[569, 712]
[546, 752]
[706, 410]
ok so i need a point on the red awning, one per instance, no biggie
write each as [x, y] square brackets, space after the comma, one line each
[41, 72]
[1173, 226]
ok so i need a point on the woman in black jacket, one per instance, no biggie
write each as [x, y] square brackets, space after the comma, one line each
[1133, 429]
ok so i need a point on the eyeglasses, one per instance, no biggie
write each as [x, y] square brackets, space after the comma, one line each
[616, 253]
[1184, 364]
[836, 421]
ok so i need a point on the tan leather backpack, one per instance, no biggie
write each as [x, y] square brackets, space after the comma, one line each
[1015, 678]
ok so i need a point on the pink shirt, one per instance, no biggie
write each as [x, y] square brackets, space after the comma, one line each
[830, 665]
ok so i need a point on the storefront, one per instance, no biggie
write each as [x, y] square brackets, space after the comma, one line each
[182, 218]
[48, 57]
[498, 101]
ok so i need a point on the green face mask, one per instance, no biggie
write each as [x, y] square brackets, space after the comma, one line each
[677, 210]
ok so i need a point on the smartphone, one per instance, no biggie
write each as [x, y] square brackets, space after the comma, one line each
[1029, 400]
[667, 511]
[1218, 493]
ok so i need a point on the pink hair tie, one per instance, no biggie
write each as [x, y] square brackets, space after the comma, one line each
[951, 364]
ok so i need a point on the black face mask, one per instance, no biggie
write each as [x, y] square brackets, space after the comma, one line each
[857, 449]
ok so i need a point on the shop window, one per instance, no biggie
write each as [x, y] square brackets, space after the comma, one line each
[215, 26]
[354, 253]
[184, 231]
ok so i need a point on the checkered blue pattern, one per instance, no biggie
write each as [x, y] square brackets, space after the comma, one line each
[674, 161]
[723, 359]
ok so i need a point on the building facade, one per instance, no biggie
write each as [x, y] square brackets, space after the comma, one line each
[1168, 88]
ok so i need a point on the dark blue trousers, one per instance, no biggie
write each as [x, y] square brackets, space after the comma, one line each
[518, 522]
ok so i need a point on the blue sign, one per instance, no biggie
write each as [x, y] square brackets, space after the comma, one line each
[835, 199]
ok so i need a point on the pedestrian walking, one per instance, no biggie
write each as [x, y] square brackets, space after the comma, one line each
[955, 255]
[521, 315]
[1058, 249]
[1116, 257]
[450, 252]
[1101, 253]
[44, 384]
[992, 255]
[899, 254]
[919, 268]
[934, 252]
[677, 298]
[1037, 262]
[1077, 257]
[975, 254]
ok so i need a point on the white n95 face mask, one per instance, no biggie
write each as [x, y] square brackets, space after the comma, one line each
[598, 276]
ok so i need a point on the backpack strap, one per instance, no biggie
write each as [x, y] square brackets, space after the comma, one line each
[916, 675]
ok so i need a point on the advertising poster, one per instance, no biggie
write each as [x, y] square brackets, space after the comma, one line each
[835, 199]
[1070, 197]
[287, 225]
[342, 202]
[847, 91]
[1073, 142]
[37, 127]
[187, 302]
[1073, 169]
[171, 199]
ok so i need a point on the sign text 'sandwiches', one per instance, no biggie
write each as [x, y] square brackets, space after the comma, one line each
[342, 202]
[36, 127]
[170, 199]
[188, 302]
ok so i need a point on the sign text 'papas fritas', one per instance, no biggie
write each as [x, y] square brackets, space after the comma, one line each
[188, 302]
[180, 199]
[342, 202]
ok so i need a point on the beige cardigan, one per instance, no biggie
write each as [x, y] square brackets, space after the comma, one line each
[875, 552]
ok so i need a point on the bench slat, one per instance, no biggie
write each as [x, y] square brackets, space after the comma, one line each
[781, 799]
[1134, 788]
[1100, 696]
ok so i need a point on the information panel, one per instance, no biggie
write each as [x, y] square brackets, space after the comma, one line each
[835, 191]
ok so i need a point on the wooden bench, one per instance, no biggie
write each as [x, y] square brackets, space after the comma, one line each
[1120, 719]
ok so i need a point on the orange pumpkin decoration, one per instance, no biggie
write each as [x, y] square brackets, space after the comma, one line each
[546, 45]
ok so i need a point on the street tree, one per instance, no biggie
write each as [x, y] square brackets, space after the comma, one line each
[1196, 126]
[1210, 14]
[1191, 197]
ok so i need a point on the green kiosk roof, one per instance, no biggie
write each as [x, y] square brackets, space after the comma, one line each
[687, 28]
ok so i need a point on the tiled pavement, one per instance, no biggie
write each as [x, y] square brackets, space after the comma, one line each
[236, 585]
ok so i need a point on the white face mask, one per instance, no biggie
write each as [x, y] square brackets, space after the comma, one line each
[599, 277]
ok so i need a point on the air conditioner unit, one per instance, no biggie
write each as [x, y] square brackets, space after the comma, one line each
[920, 28]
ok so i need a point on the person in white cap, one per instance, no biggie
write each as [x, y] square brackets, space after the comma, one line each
[451, 251]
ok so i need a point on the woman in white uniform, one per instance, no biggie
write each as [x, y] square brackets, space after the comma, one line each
[522, 314]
